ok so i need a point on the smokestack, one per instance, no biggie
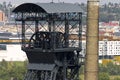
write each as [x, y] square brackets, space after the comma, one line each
[91, 61]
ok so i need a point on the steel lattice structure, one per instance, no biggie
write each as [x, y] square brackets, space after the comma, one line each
[51, 38]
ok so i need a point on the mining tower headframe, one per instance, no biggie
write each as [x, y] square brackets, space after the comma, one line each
[51, 38]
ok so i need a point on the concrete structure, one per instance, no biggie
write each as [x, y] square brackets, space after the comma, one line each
[91, 60]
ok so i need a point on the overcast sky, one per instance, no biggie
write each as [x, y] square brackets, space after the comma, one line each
[44, 1]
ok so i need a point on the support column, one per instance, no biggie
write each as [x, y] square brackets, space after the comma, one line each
[80, 30]
[23, 34]
[65, 68]
[91, 61]
[49, 26]
[36, 26]
[36, 29]
[66, 31]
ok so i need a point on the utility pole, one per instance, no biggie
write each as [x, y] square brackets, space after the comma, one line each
[91, 61]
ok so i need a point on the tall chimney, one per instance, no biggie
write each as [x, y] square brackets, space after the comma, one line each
[91, 61]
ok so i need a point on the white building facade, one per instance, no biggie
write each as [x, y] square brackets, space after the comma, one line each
[106, 48]
[13, 53]
[109, 48]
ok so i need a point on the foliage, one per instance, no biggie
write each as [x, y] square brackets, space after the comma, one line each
[17, 70]
[117, 78]
[110, 68]
[81, 70]
[108, 12]
[113, 69]
[12, 70]
[103, 68]
[104, 76]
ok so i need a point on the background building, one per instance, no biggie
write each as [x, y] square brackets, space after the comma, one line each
[107, 49]
[12, 52]
[2, 16]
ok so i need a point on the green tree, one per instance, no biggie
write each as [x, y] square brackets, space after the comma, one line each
[81, 70]
[104, 76]
[12, 70]
[103, 68]
[113, 69]
[117, 78]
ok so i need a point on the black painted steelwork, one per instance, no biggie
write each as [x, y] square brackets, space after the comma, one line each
[53, 44]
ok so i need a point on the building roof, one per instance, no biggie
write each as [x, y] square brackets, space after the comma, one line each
[48, 8]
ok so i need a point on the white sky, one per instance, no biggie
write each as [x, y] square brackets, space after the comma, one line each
[45, 1]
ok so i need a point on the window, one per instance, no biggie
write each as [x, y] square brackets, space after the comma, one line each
[3, 47]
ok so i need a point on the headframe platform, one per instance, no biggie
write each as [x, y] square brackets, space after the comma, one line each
[47, 33]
